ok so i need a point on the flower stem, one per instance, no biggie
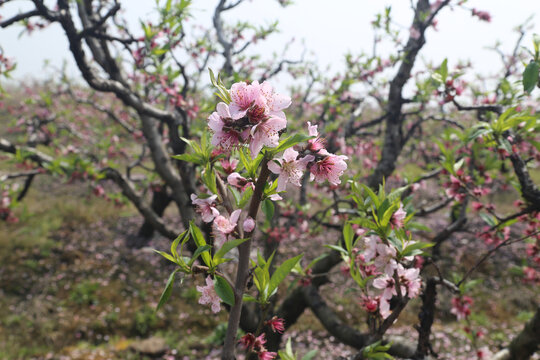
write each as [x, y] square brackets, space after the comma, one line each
[243, 267]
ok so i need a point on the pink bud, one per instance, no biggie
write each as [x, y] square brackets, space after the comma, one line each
[249, 224]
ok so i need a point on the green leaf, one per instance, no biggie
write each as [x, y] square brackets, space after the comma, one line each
[245, 197]
[316, 260]
[198, 237]
[248, 298]
[167, 291]
[291, 141]
[373, 197]
[288, 353]
[337, 248]
[228, 246]
[165, 255]
[209, 179]
[224, 290]
[388, 213]
[188, 158]
[530, 76]
[490, 220]
[281, 273]
[199, 251]
[175, 243]
[443, 70]
[268, 209]
[310, 355]
[414, 247]
[348, 236]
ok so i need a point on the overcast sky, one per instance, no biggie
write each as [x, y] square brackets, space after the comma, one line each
[329, 29]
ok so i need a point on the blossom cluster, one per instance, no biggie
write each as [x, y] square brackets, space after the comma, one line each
[254, 118]
[378, 259]
[256, 344]
[223, 227]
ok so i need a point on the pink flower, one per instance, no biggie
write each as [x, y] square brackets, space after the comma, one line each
[266, 133]
[385, 260]
[247, 341]
[267, 355]
[477, 206]
[249, 224]
[209, 295]
[387, 284]
[205, 207]
[482, 15]
[398, 217]
[461, 307]
[275, 103]
[289, 169]
[317, 143]
[245, 97]
[410, 282]
[238, 181]
[259, 342]
[276, 324]
[330, 168]
[453, 189]
[229, 165]
[223, 227]
[370, 304]
[221, 123]
[370, 247]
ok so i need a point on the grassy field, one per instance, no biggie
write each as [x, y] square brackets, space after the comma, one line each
[70, 287]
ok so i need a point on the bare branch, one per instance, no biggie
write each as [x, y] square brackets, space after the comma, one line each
[141, 205]
[19, 174]
[490, 252]
[233, 5]
[481, 108]
[227, 46]
[19, 17]
[433, 208]
[97, 26]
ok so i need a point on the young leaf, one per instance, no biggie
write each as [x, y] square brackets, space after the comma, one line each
[228, 246]
[414, 248]
[245, 197]
[165, 255]
[224, 290]
[167, 291]
[198, 237]
[281, 273]
[310, 355]
[337, 248]
[189, 158]
[199, 251]
[268, 209]
[291, 141]
[348, 236]
[530, 76]
[373, 197]
[175, 243]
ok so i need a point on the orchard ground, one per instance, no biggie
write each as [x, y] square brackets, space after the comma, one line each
[71, 289]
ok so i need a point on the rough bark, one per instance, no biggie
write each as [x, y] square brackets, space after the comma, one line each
[426, 316]
[160, 201]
